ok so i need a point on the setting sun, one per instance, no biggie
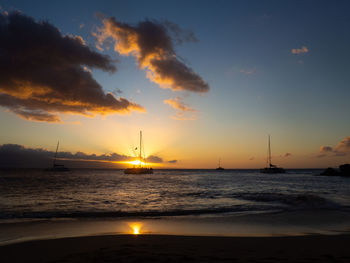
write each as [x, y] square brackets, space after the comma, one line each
[136, 228]
[137, 162]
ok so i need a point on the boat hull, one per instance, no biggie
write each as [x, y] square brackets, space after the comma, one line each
[138, 171]
[57, 169]
[272, 170]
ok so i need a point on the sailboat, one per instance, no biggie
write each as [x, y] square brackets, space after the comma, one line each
[57, 167]
[139, 169]
[219, 166]
[271, 168]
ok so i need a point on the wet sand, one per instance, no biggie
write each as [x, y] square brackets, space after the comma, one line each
[170, 248]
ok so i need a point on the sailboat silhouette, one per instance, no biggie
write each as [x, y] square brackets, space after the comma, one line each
[271, 168]
[57, 167]
[139, 169]
[219, 166]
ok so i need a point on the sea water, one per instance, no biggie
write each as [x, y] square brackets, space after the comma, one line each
[37, 203]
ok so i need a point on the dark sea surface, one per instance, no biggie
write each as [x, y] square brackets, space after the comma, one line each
[111, 193]
[201, 195]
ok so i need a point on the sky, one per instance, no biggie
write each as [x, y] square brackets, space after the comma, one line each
[203, 80]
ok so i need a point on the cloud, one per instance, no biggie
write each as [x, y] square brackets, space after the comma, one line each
[344, 145]
[178, 104]
[43, 72]
[150, 42]
[172, 161]
[298, 51]
[14, 155]
[180, 34]
[82, 25]
[339, 154]
[251, 158]
[287, 155]
[154, 159]
[342, 148]
[184, 112]
[248, 71]
[181, 116]
[326, 149]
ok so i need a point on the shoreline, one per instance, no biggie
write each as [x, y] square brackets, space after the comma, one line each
[293, 223]
[176, 248]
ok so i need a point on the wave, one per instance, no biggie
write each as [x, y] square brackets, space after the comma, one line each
[293, 200]
[131, 214]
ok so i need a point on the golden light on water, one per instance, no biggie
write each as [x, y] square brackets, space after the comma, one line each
[135, 228]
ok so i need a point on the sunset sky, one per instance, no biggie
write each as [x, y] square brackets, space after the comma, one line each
[203, 80]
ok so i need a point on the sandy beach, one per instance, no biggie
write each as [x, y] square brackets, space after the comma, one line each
[168, 248]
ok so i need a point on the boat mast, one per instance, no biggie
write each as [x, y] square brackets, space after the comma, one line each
[140, 147]
[269, 152]
[54, 159]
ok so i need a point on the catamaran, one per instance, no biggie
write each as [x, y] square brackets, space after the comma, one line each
[57, 167]
[271, 168]
[139, 169]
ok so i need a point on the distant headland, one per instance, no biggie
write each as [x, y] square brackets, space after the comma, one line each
[344, 170]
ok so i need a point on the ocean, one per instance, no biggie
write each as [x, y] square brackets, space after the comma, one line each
[230, 202]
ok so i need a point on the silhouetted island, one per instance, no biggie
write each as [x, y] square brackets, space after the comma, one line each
[344, 170]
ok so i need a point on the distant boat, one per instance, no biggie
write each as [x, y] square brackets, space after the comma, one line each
[219, 166]
[139, 169]
[271, 169]
[57, 167]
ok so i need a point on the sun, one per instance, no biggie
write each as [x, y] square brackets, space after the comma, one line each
[135, 228]
[137, 162]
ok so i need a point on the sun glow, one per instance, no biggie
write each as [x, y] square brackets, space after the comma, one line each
[137, 162]
[136, 228]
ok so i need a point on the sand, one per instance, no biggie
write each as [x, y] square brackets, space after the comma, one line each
[169, 248]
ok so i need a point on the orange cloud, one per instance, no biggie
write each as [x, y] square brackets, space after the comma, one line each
[301, 50]
[151, 44]
[183, 109]
[178, 104]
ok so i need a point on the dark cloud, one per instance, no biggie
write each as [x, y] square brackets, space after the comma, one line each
[154, 159]
[180, 35]
[172, 161]
[14, 155]
[325, 149]
[287, 155]
[44, 73]
[151, 43]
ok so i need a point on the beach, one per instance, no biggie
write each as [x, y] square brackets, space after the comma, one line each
[171, 248]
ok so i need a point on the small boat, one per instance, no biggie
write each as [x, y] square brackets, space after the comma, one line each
[219, 166]
[57, 167]
[271, 168]
[139, 169]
